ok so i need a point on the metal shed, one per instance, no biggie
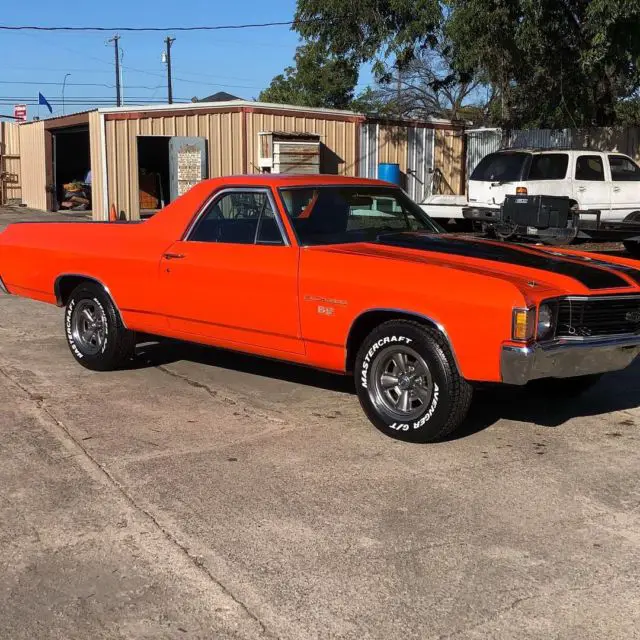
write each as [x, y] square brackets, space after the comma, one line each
[140, 158]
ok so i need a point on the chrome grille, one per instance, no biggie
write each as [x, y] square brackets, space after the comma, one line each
[598, 317]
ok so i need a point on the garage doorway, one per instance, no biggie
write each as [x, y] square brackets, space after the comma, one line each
[153, 173]
[167, 167]
[71, 169]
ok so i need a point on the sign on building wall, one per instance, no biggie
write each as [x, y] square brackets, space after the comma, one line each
[20, 112]
[187, 163]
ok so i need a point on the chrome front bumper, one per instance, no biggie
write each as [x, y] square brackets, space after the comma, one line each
[3, 289]
[567, 358]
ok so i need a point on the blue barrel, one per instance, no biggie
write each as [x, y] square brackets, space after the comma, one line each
[390, 172]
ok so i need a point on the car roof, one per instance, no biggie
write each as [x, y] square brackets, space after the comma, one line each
[555, 150]
[297, 180]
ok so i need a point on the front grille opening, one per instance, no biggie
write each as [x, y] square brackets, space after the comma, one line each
[600, 317]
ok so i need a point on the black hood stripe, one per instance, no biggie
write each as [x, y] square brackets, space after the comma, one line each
[592, 277]
[626, 270]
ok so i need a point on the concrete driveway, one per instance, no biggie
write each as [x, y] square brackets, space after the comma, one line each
[202, 494]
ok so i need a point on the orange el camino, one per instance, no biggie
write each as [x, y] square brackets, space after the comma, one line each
[342, 274]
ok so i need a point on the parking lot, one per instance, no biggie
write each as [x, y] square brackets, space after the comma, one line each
[205, 494]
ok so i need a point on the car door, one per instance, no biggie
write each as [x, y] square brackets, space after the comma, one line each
[233, 278]
[590, 187]
[625, 186]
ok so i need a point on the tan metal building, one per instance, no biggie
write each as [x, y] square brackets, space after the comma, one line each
[142, 157]
[10, 183]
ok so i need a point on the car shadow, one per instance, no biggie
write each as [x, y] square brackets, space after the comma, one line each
[617, 391]
[164, 352]
[614, 392]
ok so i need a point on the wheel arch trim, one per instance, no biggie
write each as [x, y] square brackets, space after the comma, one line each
[58, 294]
[407, 314]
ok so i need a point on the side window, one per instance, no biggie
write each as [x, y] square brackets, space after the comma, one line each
[623, 169]
[589, 168]
[238, 217]
[549, 166]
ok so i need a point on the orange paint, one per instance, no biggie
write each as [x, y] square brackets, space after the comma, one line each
[288, 302]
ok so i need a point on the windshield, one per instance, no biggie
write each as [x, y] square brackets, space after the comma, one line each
[501, 167]
[340, 214]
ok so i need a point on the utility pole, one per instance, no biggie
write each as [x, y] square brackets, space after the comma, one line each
[115, 41]
[167, 60]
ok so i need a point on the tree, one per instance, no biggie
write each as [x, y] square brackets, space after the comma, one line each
[551, 62]
[428, 86]
[548, 62]
[318, 79]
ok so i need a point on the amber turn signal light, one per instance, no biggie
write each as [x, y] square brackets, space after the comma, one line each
[523, 324]
[521, 191]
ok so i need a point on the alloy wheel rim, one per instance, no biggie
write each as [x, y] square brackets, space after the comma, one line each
[402, 384]
[89, 327]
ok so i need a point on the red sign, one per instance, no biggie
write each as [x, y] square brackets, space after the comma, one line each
[20, 112]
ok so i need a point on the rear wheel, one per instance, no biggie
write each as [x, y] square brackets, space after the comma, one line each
[95, 334]
[408, 383]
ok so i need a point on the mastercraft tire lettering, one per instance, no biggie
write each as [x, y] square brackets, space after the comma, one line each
[375, 348]
[408, 383]
[95, 334]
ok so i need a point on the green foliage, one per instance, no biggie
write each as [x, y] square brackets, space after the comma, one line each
[317, 80]
[548, 63]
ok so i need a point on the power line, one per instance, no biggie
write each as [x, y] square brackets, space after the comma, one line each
[77, 84]
[223, 27]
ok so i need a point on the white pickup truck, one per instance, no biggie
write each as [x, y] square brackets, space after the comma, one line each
[594, 180]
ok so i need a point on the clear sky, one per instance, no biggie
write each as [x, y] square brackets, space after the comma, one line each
[240, 62]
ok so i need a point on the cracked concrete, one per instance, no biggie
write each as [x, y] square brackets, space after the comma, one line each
[202, 494]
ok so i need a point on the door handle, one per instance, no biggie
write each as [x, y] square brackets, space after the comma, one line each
[616, 189]
[173, 256]
[582, 188]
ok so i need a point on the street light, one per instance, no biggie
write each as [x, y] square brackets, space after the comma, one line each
[64, 84]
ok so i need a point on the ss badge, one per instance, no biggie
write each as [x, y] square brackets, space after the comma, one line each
[325, 311]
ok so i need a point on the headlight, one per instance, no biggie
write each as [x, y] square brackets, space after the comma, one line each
[545, 321]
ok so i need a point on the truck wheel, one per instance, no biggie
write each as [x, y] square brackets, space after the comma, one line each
[95, 334]
[408, 383]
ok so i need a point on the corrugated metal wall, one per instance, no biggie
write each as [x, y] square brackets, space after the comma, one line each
[338, 137]
[97, 174]
[420, 163]
[10, 184]
[32, 165]
[223, 132]
[449, 162]
[484, 141]
[481, 143]
[428, 158]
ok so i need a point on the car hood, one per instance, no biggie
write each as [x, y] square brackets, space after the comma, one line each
[564, 272]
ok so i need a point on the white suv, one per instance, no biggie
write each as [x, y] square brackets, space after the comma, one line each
[607, 181]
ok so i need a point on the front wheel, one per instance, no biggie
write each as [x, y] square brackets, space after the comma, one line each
[95, 334]
[408, 383]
